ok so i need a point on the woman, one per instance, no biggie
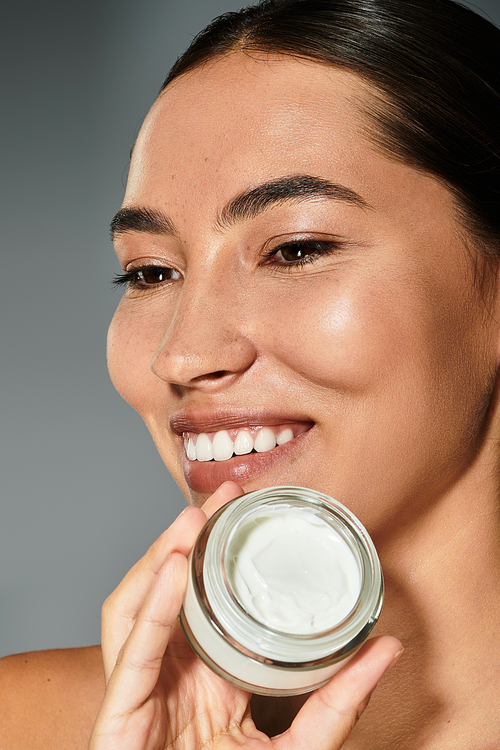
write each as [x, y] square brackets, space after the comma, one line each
[309, 239]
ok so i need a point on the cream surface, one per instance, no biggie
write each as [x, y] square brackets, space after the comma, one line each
[291, 571]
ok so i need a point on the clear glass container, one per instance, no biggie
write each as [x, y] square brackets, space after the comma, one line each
[284, 586]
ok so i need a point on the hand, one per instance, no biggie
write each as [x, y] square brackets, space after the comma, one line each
[160, 695]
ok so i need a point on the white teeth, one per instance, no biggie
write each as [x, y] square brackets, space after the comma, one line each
[285, 436]
[222, 446]
[243, 443]
[191, 450]
[265, 440]
[204, 450]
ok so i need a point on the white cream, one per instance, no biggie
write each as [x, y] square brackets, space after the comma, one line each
[284, 586]
[292, 571]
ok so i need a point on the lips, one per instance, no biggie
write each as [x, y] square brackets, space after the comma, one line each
[219, 447]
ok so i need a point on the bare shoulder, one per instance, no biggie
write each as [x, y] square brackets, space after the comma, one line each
[50, 698]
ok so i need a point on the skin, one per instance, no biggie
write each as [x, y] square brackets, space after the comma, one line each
[372, 344]
[387, 348]
[160, 695]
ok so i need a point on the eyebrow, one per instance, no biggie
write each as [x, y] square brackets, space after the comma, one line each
[247, 205]
[140, 220]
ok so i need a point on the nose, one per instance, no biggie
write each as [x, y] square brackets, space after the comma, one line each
[206, 344]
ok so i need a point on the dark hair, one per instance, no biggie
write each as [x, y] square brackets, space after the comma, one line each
[435, 66]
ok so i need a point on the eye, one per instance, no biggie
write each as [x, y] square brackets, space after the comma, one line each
[299, 252]
[146, 277]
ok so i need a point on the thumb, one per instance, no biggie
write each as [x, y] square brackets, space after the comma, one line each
[226, 492]
[331, 712]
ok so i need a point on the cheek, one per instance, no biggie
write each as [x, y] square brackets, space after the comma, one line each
[340, 339]
[130, 344]
[133, 337]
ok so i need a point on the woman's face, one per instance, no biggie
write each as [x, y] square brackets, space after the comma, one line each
[288, 282]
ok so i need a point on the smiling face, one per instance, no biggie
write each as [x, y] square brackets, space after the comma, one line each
[294, 293]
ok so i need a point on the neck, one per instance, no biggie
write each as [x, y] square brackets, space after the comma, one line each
[442, 576]
[442, 587]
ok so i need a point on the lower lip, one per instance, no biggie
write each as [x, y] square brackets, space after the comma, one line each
[207, 476]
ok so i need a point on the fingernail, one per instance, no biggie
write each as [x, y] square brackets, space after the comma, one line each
[394, 660]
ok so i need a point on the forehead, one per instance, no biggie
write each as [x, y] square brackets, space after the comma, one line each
[251, 115]
[240, 121]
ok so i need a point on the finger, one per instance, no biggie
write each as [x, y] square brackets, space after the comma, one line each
[226, 492]
[332, 711]
[180, 536]
[137, 669]
[121, 608]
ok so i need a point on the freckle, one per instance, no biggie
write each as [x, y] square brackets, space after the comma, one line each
[26, 661]
[48, 679]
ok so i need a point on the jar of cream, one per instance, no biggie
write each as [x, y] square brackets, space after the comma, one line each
[284, 585]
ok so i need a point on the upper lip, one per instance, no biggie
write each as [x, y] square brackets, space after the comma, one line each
[226, 419]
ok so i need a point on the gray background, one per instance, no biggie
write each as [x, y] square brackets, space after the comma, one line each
[83, 492]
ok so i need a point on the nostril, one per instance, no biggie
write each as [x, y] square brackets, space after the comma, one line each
[188, 357]
[217, 375]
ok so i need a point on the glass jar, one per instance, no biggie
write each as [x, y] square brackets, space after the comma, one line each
[284, 585]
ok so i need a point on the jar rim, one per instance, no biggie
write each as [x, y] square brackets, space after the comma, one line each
[257, 640]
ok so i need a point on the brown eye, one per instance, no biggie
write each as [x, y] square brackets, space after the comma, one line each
[300, 252]
[150, 275]
[295, 251]
[146, 276]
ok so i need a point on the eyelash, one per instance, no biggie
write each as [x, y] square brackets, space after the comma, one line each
[316, 248]
[131, 279]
